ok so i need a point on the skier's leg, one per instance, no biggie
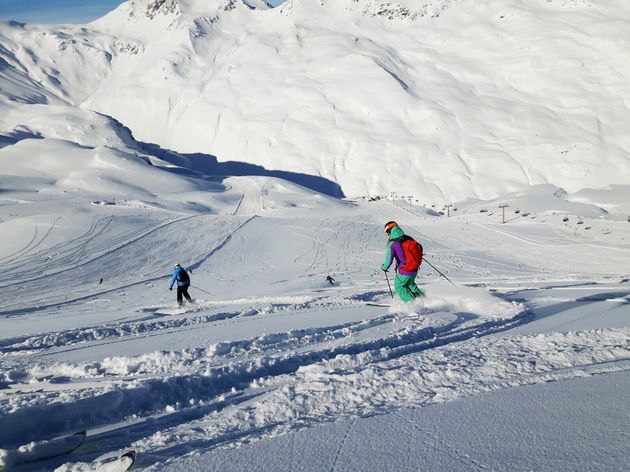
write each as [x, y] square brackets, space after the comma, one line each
[414, 289]
[420, 294]
[185, 292]
[400, 284]
[180, 300]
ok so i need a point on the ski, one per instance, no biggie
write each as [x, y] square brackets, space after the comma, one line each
[382, 305]
[41, 450]
[117, 464]
[128, 459]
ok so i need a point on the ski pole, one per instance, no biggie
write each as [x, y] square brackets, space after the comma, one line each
[209, 293]
[388, 284]
[437, 270]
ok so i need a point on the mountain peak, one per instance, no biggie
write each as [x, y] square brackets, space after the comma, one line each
[155, 8]
[149, 19]
[391, 10]
[161, 7]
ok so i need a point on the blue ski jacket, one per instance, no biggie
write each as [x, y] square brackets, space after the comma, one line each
[175, 277]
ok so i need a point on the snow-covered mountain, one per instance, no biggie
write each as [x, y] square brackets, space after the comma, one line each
[443, 99]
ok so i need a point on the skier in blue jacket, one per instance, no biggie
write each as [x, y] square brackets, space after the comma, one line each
[183, 282]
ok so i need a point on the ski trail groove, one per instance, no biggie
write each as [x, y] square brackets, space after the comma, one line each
[238, 205]
[59, 303]
[19, 251]
[28, 247]
[76, 253]
[333, 466]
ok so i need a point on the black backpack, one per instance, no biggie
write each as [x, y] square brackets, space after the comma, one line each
[183, 276]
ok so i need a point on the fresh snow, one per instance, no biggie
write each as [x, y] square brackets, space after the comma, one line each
[220, 135]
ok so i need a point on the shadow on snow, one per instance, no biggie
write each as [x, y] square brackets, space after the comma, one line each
[207, 166]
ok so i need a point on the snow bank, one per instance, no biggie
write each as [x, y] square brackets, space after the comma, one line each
[191, 360]
[193, 375]
[342, 388]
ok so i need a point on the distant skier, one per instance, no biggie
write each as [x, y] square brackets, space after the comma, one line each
[408, 255]
[183, 282]
[330, 280]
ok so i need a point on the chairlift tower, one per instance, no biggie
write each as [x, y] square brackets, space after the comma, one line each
[503, 206]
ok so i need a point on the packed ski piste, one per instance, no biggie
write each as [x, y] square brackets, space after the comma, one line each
[333, 235]
[290, 321]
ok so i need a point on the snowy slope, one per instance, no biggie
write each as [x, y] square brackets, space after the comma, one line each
[43, 64]
[92, 339]
[535, 424]
[443, 100]
[199, 133]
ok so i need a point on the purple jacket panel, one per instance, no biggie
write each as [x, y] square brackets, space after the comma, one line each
[399, 255]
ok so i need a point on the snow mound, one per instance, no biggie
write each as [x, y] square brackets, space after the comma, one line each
[112, 464]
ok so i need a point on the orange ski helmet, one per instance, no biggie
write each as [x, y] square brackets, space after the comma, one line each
[389, 225]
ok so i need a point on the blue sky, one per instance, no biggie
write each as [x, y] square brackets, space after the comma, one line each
[60, 11]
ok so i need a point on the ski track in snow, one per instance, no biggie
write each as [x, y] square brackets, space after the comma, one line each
[121, 330]
[305, 354]
[70, 254]
[113, 251]
[308, 371]
[209, 371]
[327, 391]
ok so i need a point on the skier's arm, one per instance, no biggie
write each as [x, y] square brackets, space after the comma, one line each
[388, 257]
[173, 279]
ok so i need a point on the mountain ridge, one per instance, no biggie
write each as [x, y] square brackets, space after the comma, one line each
[473, 101]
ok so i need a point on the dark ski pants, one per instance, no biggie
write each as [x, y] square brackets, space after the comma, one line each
[182, 291]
